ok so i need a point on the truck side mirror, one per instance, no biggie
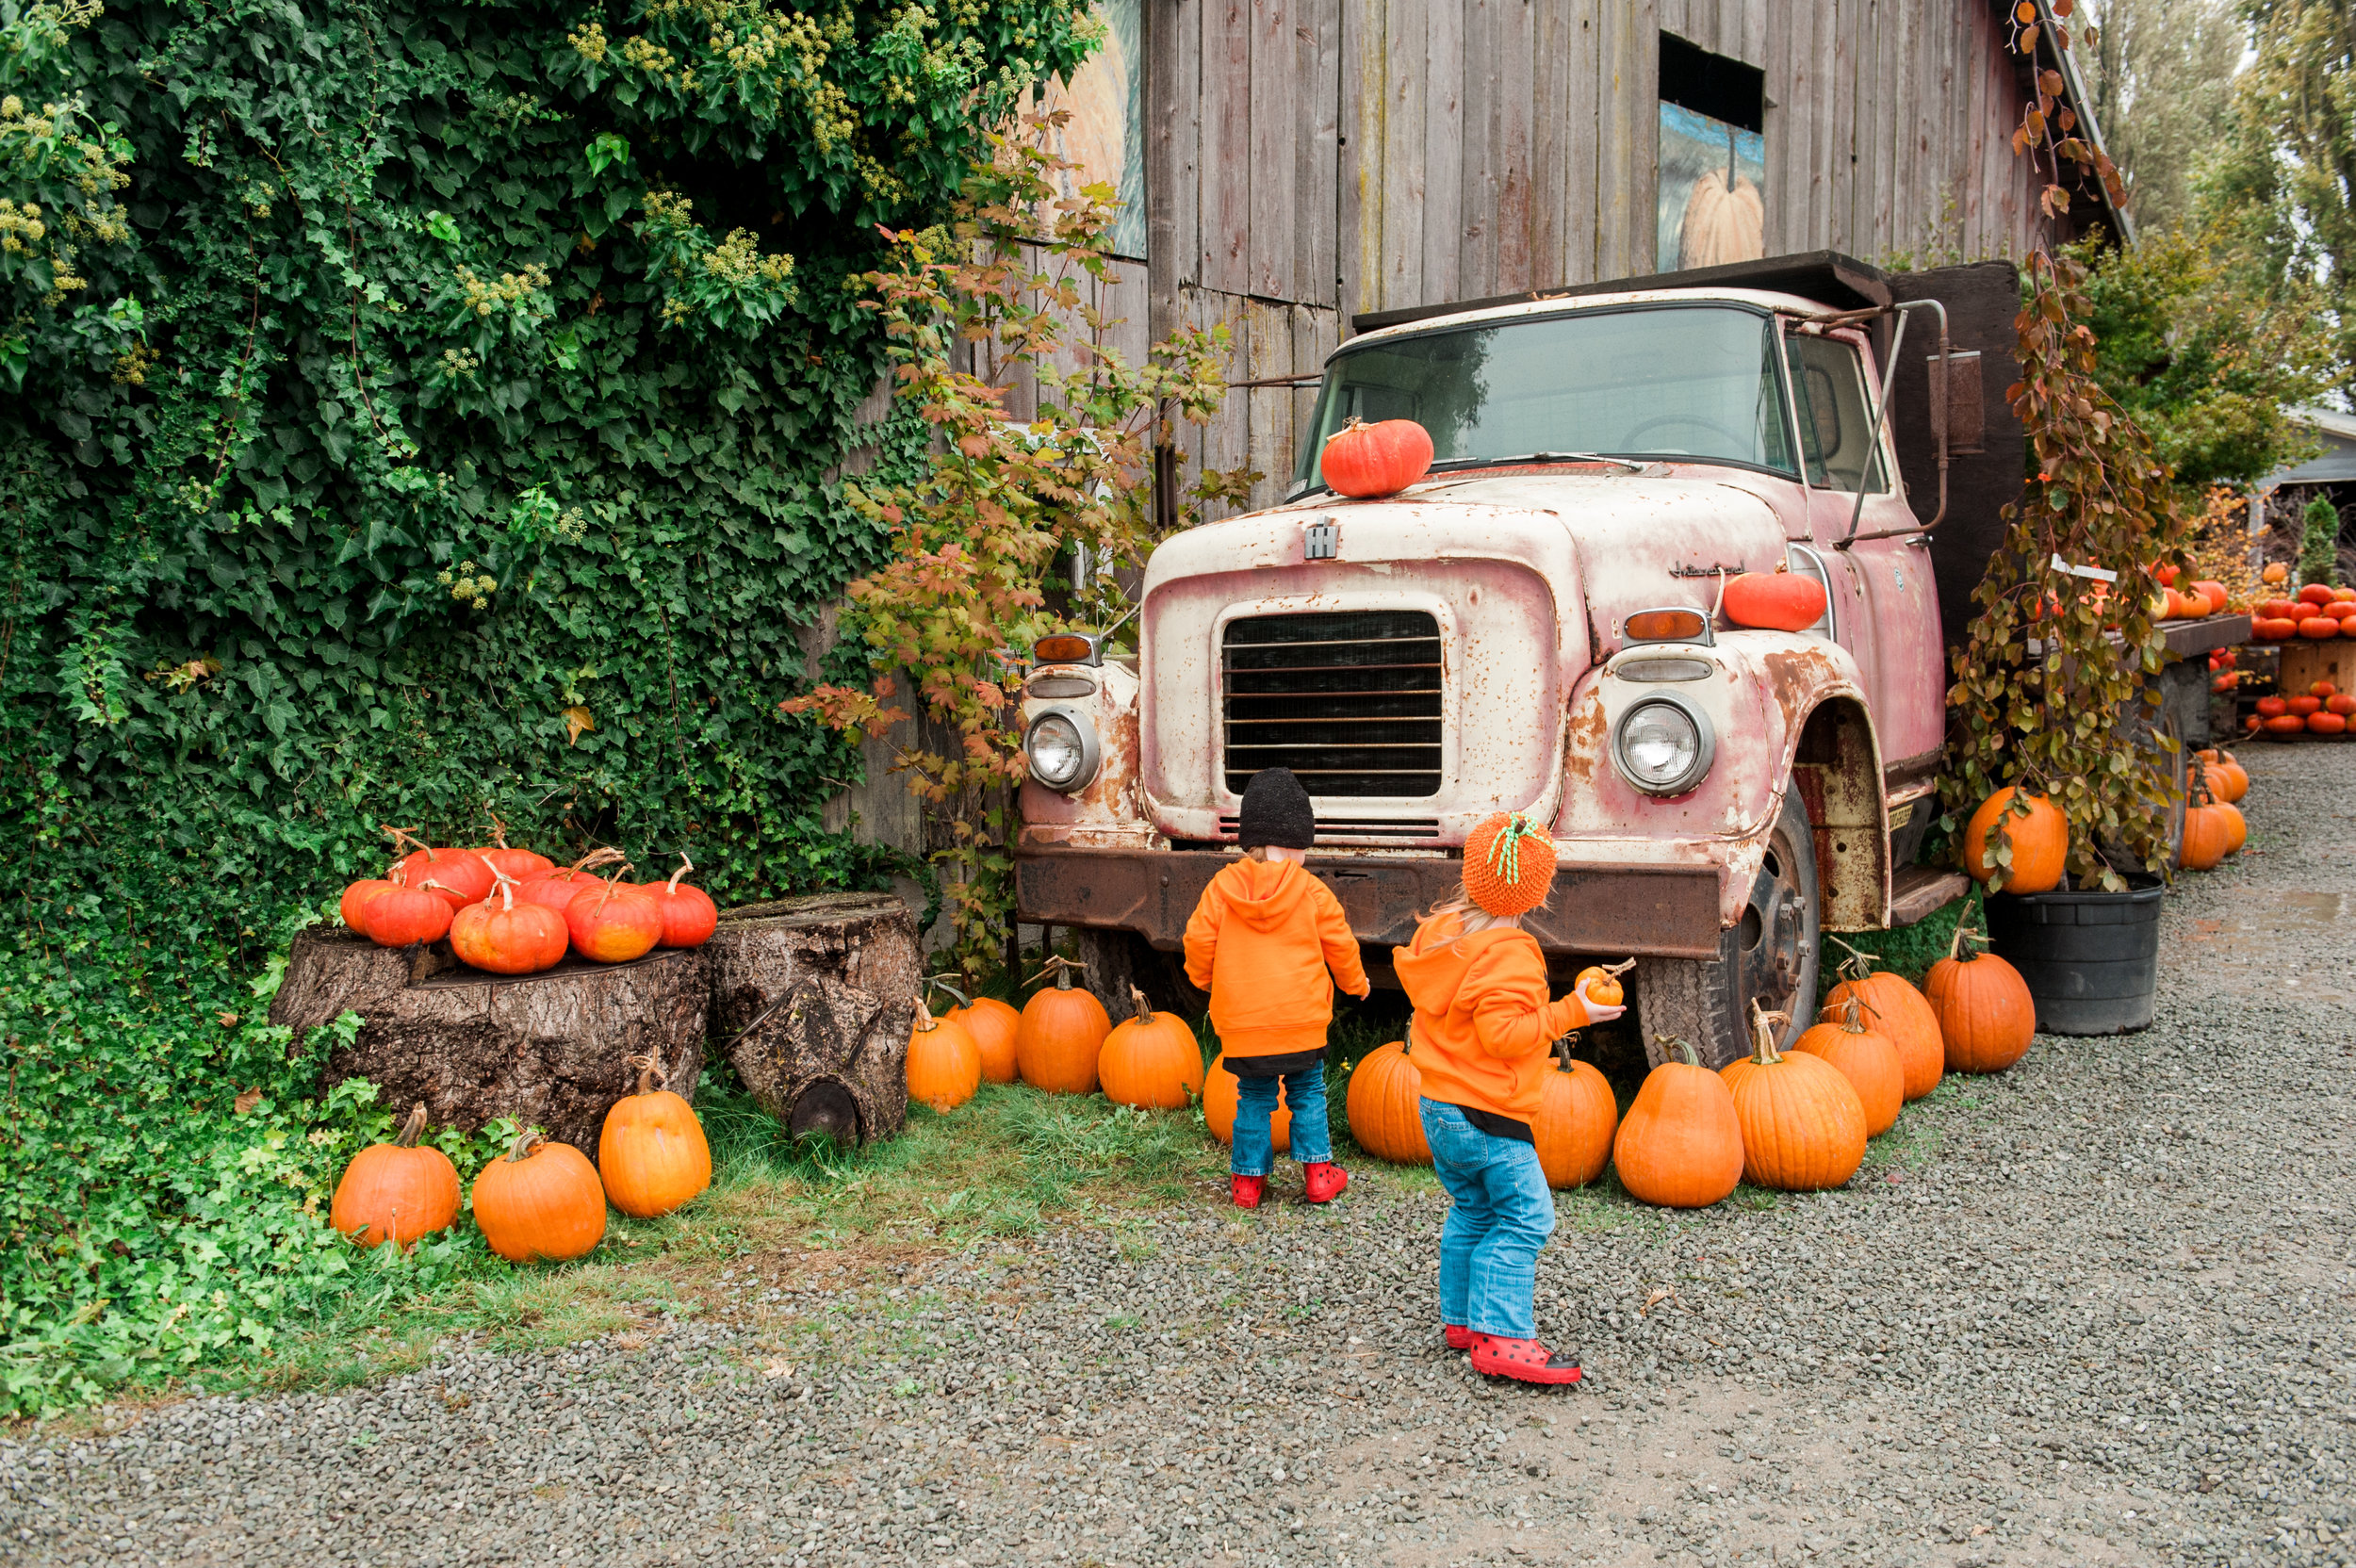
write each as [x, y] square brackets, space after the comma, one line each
[1967, 425]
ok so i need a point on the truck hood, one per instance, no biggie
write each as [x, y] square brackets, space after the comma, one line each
[1522, 580]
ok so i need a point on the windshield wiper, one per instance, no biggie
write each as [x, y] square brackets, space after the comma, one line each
[1536, 457]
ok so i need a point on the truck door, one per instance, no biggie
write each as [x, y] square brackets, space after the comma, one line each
[1889, 606]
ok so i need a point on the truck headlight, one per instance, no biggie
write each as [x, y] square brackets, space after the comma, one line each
[1062, 749]
[1663, 744]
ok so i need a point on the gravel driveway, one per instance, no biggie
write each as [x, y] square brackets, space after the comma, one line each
[2098, 1310]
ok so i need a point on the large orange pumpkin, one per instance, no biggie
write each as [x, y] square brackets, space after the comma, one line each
[540, 1201]
[1380, 459]
[1780, 600]
[1152, 1061]
[1061, 1032]
[2208, 833]
[396, 1192]
[1803, 1124]
[992, 1024]
[1577, 1116]
[1985, 1009]
[1865, 1059]
[2041, 842]
[1220, 1091]
[1385, 1105]
[944, 1065]
[1681, 1145]
[615, 923]
[508, 938]
[403, 914]
[1897, 1012]
[652, 1155]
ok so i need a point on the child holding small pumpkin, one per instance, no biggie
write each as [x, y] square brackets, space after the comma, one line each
[1262, 943]
[1483, 1033]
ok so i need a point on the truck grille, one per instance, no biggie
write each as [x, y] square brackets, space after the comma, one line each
[1349, 701]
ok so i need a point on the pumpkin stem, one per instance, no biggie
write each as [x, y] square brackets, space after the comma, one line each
[521, 1146]
[403, 836]
[498, 829]
[1853, 1014]
[595, 860]
[1762, 1030]
[649, 1066]
[1861, 963]
[685, 865]
[1957, 948]
[1061, 967]
[941, 983]
[1145, 1009]
[1354, 423]
[411, 1127]
[1561, 1049]
[1667, 1042]
[429, 882]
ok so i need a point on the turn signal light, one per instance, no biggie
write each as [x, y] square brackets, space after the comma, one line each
[1064, 649]
[1667, 626]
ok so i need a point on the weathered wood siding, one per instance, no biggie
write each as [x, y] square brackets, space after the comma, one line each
[1311, 160]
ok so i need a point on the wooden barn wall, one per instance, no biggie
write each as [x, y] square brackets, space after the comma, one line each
[1309, 160]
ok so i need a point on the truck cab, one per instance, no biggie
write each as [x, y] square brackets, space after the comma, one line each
[1537, 626]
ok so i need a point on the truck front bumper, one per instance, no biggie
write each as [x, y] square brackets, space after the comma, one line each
[1655, 911]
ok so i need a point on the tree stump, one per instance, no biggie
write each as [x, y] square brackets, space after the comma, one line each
[812, 999]
[549, 1050]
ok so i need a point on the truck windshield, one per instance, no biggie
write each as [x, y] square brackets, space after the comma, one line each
[1656, 382]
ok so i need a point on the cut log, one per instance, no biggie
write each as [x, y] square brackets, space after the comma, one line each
[550, 1049]
[812, 1000]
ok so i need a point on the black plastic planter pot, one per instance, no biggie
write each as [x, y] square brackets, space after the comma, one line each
[2092, 960]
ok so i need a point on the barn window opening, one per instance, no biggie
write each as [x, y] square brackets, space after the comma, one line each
[1712, 162]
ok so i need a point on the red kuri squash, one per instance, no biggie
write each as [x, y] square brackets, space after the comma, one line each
[1380, 459]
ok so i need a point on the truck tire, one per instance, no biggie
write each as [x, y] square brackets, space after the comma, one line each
[1117, 960]
[1770, 954]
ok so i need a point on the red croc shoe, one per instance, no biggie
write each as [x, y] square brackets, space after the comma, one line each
[1324, 1180]
[1247, 1190]
[1523, 1360]
[1458, 1336]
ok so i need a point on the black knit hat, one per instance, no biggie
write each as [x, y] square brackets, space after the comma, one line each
[1276, 813]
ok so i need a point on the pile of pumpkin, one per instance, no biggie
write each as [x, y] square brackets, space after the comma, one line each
[1062, 1042]
[1795, 1120]
[511, 911]
[537, 1199]
[2318, 614]
[2323, 709]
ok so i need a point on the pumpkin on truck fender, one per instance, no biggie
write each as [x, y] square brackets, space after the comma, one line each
[1780, 600]
[1381, 459]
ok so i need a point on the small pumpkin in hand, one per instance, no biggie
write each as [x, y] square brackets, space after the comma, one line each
[652, 1155]
[1681, 1145]
[396, 1192]
[1576, 1121]
[1060, 1034]
[1803, 1124]
[1985, 1010]
[1385, 1105]
[1150, 1061]
[540, 1201]
[1608, 991]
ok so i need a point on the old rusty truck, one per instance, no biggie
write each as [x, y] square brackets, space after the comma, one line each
[1535, 626]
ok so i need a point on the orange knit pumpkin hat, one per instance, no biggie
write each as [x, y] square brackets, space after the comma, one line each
[1509, 864]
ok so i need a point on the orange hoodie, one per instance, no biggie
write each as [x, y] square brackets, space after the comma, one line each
[1260, 942]
[1483, 1029]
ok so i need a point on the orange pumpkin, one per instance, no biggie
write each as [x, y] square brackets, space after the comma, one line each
[1681, 1145]
[2231, 780]
[1061, 1034]
[1219, 1093]
[508, 938]
[651, 1154]
[1983, 1006]
[2326, 723]
[461, 876]
[521, 864]
[2041, 842]
[1577, 1118]
[396, 1192]
[356, 897]
[1897, 1012]
[1865, 1059]
[944, 1065]
[1803, 1124]
[1780, 600]
[1151, 1060]
[1385, 1105]
[1608, 990]
[403, 914]
[2320, 627]
[557, 888]
[615, 923]
[992, 1024]
[1380, 459]
[689, 916]
[540, 1201]
[2237, 828]
[2208, 835]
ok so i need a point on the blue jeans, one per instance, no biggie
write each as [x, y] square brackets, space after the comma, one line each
[1501, 1212]
[1255, 1108]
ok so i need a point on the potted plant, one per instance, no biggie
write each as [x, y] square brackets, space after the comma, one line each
[2071, 793]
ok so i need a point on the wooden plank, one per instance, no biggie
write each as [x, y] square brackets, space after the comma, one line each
[1400, 275]
[1443, 148]
[1226, 146]
[1582, 86]
[1786, 123]
[1628, 137]
[1269, 409]
[1837, 38]
[1316, 154]
[1316, 331]
[1224, 441]
[1187, 205]
[1478, 178]
[1169, 93]
[1358, 238]
[1549, 66]
[1973, 159]
[1758, 28]
[1276, 92]
[1515, 36]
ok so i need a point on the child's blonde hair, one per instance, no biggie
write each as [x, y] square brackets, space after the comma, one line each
[1471, 916]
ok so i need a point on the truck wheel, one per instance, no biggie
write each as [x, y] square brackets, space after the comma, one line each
[1770, 955]
[1117, 960]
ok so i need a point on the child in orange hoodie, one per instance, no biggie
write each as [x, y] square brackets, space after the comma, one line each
[1261, 942]
[1482, 1035]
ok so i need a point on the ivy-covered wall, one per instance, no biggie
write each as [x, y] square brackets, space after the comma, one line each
[422, 409]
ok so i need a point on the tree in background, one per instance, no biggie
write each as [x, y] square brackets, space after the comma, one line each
[2320, 546]
[2160, 76]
